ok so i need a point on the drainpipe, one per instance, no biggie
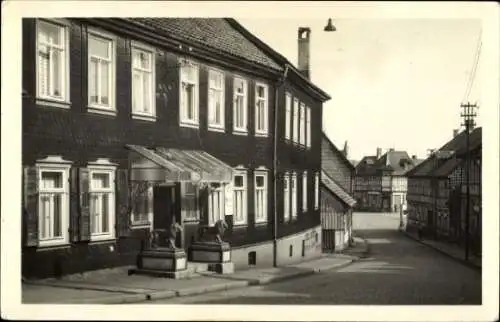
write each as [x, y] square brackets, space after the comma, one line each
[279, 83]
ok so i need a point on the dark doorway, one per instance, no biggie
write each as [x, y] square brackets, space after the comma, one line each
[166, 207]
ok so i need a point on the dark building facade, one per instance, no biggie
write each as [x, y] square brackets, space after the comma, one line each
[129, 124]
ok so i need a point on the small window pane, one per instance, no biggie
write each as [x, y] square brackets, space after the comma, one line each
[57, 72]
[99, 47]
[93, 80]
[105, 82]
[259, 181]
[239, 86]
[100, 180]
[52, 180]
[50, 33]
[238, 181]
[260, 91]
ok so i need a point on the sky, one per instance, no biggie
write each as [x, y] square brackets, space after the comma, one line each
[394, 83]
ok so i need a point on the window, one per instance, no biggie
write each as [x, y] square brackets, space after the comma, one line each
[189, 204]
[101, 71]
[295, 130]
[316, 191]
[302, 125]
[240, 105]
[52, 61]
[304, 191]
[189, 94]
[288, 116]
[260, 197]
[286, 197]
[215, 99]
[294, 196]
[261, 112]
[142, 205]
[216, 205]
[308, 127]
[53, 205]
[240, 197]
[143, 81]
[102, 203]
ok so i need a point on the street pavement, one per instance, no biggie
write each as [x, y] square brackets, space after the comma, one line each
[398, 270]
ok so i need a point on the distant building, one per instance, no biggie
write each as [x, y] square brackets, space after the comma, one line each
[381, 183]
[337, 177]
[437, 191]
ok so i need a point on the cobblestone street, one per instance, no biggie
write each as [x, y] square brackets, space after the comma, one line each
[398, 270]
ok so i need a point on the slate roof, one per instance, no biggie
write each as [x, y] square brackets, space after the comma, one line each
[336, 189]
[338, 152]
[366, 166]
[431, 166]
[398, 162]
[216, 33]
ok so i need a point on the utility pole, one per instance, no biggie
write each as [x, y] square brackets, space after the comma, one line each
[468, 115]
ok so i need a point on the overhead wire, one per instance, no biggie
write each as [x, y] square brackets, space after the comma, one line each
[473, 72]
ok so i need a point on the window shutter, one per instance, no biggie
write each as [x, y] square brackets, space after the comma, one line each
[123, 205]
[84, 204]
[30, 209]
[74, 211]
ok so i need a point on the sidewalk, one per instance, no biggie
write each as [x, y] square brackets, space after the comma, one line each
[450, 250]
[115, 286]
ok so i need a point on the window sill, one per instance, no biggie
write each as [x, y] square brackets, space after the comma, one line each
[108, 240]
[216, 129]
[261, 223]
[189, 125]
[50, 247]
[261, 135]
[101, 110]
[149, 118]
[240, 225]
[101, 239]
[53, 103]
[140, 225]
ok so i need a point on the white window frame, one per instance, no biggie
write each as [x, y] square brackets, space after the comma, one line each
[219, 127]
[294, 195]
[288, 116]
[302, 124]
[244, 128]
[65, 82]
[212, 195]
[304, 191]
[183, 120]
[244, 198]
[111, 72]
[264, 190]
[194, 195]
[111, 172]
[316, 190]
[286, 196]
[137, 46]
[142, 223]
[263, 131]
[295, 127]
[55, 165]
[308, 127]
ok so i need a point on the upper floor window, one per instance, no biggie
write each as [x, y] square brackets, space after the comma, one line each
[143, 81]
[294, 195]
[302, 130]
[316, 191]
[52, 61]
[288, 116]
[295, 128]
[261, 109]
[189, 92]
[260, 196]
[240, 197]
[308, 127]
[215, 99]
[286, 197]
[102, 203]
[101, 78]
[240, 105]
[304, 191]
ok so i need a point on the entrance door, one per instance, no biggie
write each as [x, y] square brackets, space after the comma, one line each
[166, 207]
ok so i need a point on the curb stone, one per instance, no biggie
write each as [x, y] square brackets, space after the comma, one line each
[118, 299]
[460, 260]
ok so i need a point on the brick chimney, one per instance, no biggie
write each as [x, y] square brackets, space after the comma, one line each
[391, 150]
[414, 157]
[303, 63]
[455, 132]
[379, 152]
